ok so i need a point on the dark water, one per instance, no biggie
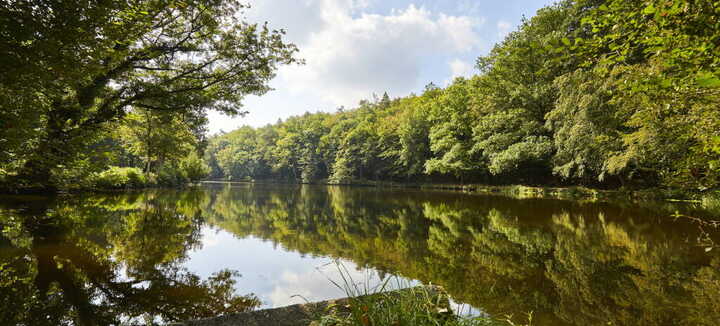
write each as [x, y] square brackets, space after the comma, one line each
[174, 255]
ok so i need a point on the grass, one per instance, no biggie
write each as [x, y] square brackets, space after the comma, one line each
[711, 202]
[396, 302]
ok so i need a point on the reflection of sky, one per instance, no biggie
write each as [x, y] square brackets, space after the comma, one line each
[277, 276]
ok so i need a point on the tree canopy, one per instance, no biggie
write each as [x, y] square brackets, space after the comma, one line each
[599, 93]
[603, 93]
[71, 70]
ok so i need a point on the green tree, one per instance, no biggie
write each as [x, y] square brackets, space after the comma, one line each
[586, 127]
[90, 61]
[238, 158]
[450, 119]
[156, 137]
[518, 91]
[193, 167]
[665, 49]
[297, 147]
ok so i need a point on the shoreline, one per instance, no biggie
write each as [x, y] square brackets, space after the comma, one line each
[309, 313]
[517, 190]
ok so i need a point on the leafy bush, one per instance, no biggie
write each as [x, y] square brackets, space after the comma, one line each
[194, 168]
[711, 202]
[170, 176]
[136, 178]
[119, 178]
[189, 169]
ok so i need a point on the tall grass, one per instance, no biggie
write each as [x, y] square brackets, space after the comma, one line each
[394, 301]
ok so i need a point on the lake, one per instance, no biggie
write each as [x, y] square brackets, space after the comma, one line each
[168, 255]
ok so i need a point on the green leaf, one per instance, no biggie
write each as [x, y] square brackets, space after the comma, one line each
[708, 80]
[566, 41]
[649, 10]
[666, 83]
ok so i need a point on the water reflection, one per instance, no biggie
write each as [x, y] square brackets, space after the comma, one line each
[278, 277]
[567, 262]
[103, 260]
[162, 254]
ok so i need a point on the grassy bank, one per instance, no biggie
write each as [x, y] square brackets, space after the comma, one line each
[422, 306]
[113, 178]
[396, 301]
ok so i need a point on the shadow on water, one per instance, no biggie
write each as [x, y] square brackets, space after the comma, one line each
[103, 258]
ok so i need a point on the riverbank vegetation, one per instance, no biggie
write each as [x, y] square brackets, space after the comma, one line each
[420, 306]
[395, 301]
[597, 93]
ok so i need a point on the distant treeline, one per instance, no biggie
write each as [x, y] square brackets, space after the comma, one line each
[602, 93]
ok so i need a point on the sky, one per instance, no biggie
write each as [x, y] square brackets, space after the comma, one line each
[356, 48]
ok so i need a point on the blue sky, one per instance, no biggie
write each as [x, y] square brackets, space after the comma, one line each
[354, 48]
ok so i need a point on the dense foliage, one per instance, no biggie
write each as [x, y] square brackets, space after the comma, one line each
[602, 93]
[81, 76]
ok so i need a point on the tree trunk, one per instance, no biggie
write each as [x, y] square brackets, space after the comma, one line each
[53, 149]
[36, 173]
[148, 141]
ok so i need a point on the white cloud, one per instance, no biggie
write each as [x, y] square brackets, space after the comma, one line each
[301, 18]
[460, 68]
[503, 29]
[348, 57]
[210, 237]
[351, 54]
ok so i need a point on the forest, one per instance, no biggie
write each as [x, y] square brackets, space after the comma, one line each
[596, 93]
[601, 93]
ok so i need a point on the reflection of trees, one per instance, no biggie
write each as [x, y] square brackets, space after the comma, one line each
[569, 263]
[105, 259]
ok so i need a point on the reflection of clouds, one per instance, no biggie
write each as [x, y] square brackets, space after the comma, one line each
[317, 285]
[210, 237]
[279, 277]
[463, 309]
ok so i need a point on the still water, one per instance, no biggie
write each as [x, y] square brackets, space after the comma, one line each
[162, 255]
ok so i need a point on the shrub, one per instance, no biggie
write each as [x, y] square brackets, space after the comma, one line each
[136, 178]
[711, 202]
[171, 176]
[119, 178]
[194, 168]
